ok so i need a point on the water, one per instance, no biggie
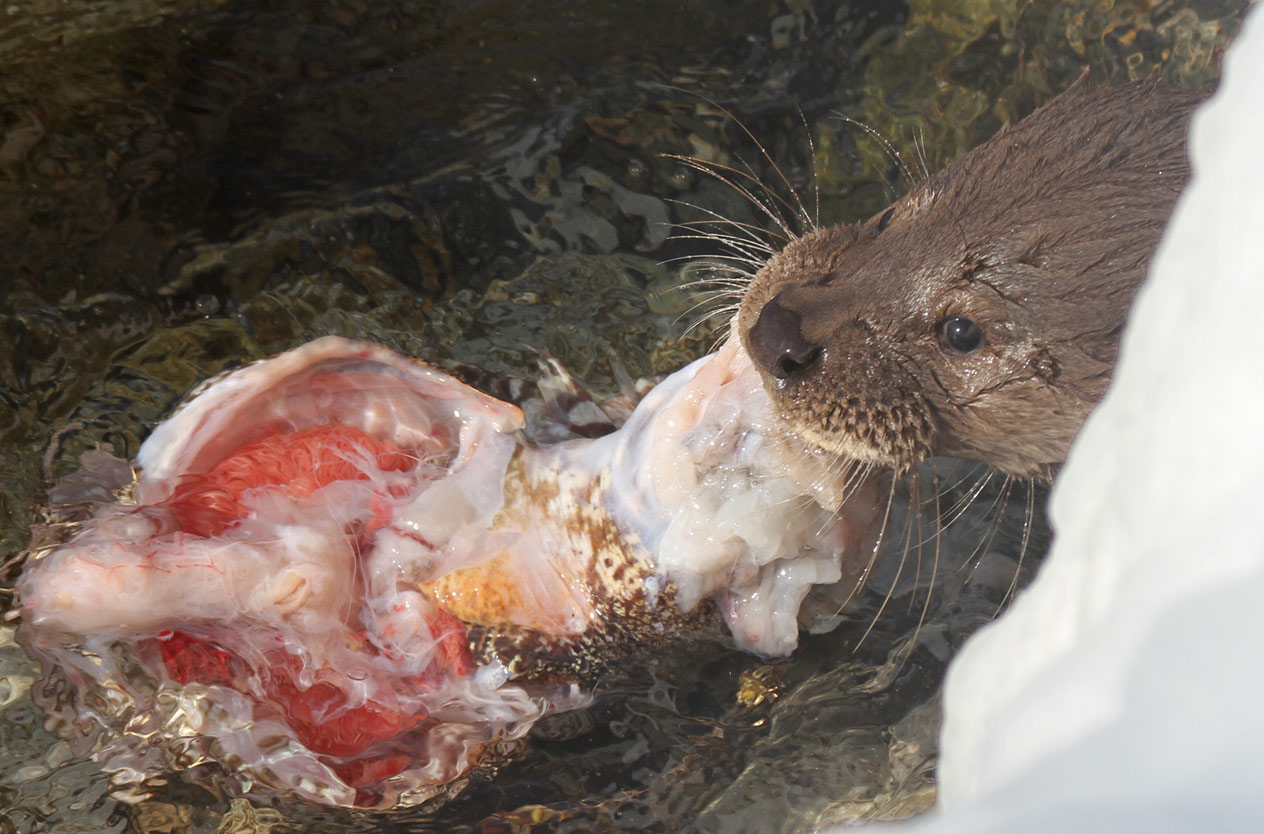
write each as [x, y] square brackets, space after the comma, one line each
[187, 185]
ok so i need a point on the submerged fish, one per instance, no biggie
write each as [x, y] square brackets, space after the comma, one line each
[344, 574]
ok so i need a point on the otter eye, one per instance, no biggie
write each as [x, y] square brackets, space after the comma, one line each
[962, 335]
[885, 219]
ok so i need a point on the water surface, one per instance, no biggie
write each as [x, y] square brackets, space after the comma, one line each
[188, 185]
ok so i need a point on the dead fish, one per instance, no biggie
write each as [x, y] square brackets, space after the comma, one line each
[345, 575]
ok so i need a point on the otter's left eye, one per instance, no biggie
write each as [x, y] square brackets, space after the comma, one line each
[962, 335]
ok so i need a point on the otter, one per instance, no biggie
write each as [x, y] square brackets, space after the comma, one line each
[979, 316]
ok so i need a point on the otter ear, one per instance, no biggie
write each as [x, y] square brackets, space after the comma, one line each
[876, 227]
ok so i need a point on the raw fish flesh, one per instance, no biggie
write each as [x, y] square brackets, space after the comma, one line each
[343, 574]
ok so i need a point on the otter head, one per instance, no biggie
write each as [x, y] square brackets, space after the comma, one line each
[979, 316]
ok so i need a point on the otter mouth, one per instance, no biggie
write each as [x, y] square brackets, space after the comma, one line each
[840, 394]
[843, 445]
[818, 401]
[853, 433]
[325, 556]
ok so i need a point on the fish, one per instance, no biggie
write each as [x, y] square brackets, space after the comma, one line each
[342, 574]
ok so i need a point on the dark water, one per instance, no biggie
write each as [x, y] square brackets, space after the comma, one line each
[188, 185]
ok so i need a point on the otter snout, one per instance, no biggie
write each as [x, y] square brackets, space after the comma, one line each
[777, 344]
[828, 376]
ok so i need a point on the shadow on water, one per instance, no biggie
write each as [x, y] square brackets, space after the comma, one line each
[186, 185]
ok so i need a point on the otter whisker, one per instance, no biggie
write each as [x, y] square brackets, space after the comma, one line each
[723, 313]
[794, 211]
[873, 555]
[915, 509]
[724, 282]
[752, 256]
[769, 202]
[705, 292]
[756, 234]
[915, 501]
[705, 303]
[720, 314]
[715, 259]
[707, 297]
[801, 212]
[732, 284]
[722, 332]
[769, 206]
[814, 222]
[974, 471]
[719, 305]
[752, 261]
[714, 308]
[887, 145]
[938, 528]
[919, 145]
[726, 294]
[859, 474]
[748, 238]
[749, 250]
[959, 508]
[706, 273]
[752, 233]
[934, 564]
[899, 569]
[1028, 522]
[994, 526]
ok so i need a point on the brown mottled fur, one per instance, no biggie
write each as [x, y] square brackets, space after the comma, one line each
[1041, 236]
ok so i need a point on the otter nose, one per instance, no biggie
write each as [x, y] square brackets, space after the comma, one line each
[777, 344]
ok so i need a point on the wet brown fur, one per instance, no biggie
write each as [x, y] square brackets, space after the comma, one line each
[1041, 236]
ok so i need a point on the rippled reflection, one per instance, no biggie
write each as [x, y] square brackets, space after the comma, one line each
[187, 185]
